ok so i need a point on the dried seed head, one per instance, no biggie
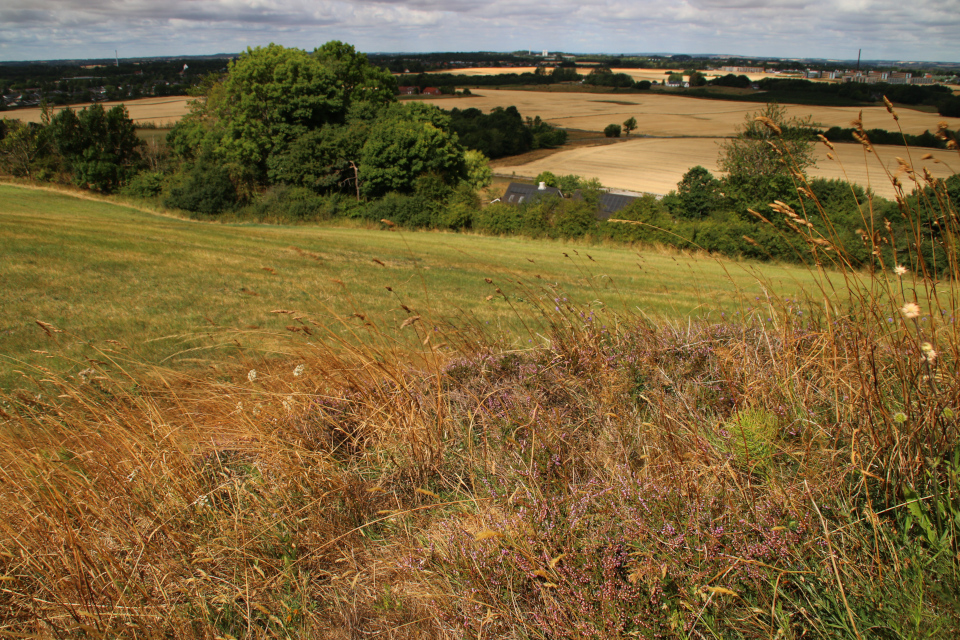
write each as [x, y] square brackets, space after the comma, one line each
[890, 108]
[409, 321]
[769, 124]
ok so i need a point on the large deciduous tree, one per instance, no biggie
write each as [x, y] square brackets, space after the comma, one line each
[769, 153]
[100, 147]
[410, 140]
[698, 192]
[271, 97]
[21, 145]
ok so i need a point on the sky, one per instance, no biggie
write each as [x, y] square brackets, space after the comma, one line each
[832, 29]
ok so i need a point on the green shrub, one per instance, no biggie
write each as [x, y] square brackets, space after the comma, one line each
[284, 203]
[612, 131]
[146, 184]
[461, 209]
[500, 218]
[749, 437]
[574, 219]
[415, 212]
[202, 187]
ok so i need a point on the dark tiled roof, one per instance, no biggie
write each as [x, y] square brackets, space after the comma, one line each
[610, 203]
[518, 193]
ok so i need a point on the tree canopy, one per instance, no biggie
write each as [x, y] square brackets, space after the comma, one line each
[275, 104]
[768, 150]
[409, 140]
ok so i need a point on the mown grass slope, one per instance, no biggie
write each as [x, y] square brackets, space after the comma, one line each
[170, 290]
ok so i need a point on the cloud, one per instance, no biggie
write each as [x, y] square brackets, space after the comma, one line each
[44, 29]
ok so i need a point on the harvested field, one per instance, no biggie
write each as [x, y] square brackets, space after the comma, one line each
[655, 165]
[485, 71]
[156, 111]
[636, 74]
[670, 115]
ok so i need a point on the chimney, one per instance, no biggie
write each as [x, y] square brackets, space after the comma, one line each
[543, 186]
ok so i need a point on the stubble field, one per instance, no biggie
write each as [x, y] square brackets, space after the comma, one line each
[685, 132]
[656, 165]
[660, 114]
[160, 112]
[636, 74]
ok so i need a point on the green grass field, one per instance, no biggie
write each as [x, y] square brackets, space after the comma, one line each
[172, 290]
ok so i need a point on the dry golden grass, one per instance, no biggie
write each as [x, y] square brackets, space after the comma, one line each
[672, 115]
[156, 111]
[656, 165]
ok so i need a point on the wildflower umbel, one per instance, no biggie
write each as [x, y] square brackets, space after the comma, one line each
[299, 371]
[900, 270]
[252, 376]
[910, 310]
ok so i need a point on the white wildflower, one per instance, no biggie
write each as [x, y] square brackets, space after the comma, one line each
[900, 270]
[252, 376]
[929, 353]
[299, 371]
[910, 310]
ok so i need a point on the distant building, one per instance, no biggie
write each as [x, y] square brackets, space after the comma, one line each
[407, 91]
[518, 193]
[743, 69]
[430, 91]
[610, 203]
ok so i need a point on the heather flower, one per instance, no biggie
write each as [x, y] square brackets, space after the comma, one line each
[910, 310]
[299, 371]
[900, 270]
[252, 376]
